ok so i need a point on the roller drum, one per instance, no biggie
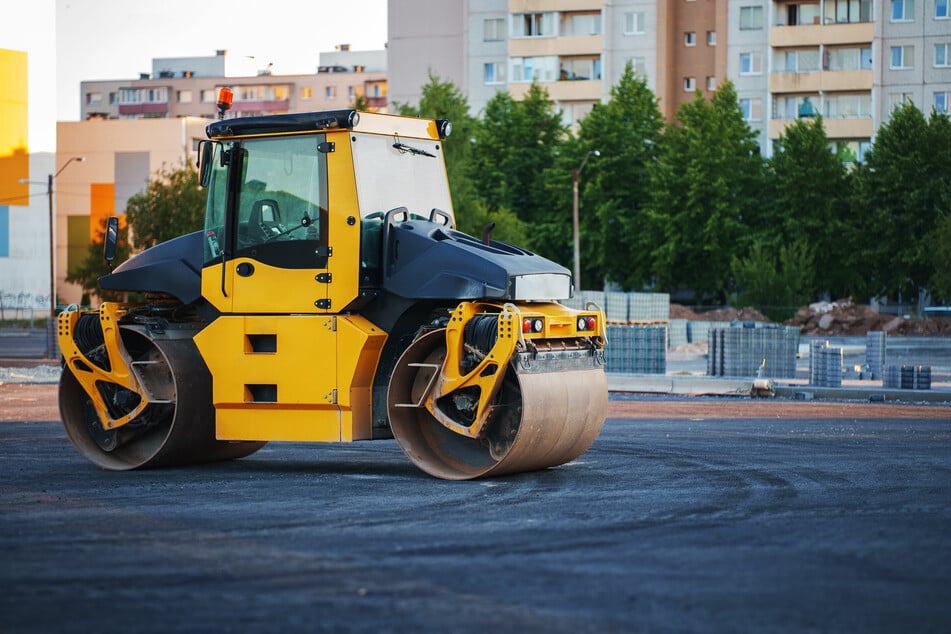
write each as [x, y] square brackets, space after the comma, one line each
[542, 419]
[181, 432]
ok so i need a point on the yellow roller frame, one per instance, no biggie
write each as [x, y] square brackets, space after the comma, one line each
[89, 374]
[558, 322]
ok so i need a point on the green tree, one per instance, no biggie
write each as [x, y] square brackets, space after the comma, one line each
[939, 239]
[808, 203]
[775, 280]
[443, 100]
[87, 272]
[514, 143]
[170, 206]
[706, 188]
[902, 196]
[615, 186]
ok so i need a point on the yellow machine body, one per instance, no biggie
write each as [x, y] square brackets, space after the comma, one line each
[335, 302]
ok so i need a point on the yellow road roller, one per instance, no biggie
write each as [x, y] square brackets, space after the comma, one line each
[329, 298]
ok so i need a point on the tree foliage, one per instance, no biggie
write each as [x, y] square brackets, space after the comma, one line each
[93, 266]
[172, 205]
[775, 279]
[615, 186]
[514, 145]
[903, 195]
[808, 203]
[705, 195]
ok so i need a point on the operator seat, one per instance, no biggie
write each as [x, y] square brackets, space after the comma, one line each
[265, 219]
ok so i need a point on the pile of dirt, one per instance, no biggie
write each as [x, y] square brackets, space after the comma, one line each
[845, 318]
[678, 311]
[841, 318]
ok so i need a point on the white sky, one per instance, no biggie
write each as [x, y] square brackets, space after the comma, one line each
[117, 39]
[68, 41]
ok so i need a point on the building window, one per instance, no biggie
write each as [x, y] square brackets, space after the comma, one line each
[802, 61]
[209, 95]
[941, 10]
[330, 92]
[690, 84]
[690, 38]
[351, 92]
[113, 98]
[752, 109]
[852, 151]
[903, 10]
[184, 96]
[711, 38]
[845, 11]
[582, 24]
[640, 65]
[848, 106]
[493, 30]
[751, 64]
[494, 73]
[580, 68]
[903, 57]
[896, 99]
[143, 95]
[533, 24]
[847, 59]
[634, 23]
[942, 55]
[941, 101]
[306, 92]
[751, 18]
[711, 83]
[528, 69]
[93, 98]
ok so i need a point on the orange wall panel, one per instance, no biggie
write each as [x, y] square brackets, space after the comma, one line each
[102, 204]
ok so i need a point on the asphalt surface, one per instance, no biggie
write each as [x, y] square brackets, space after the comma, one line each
[696, 523]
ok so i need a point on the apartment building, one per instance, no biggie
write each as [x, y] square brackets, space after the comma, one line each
[851, 61]
[576, 49]
[188, 87]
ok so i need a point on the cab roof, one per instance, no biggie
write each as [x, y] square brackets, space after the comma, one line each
[372, 123]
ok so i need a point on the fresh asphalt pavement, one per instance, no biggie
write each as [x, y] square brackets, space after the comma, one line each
[664, 525]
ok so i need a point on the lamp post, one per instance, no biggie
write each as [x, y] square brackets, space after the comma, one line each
[49, 195]
[574, 218]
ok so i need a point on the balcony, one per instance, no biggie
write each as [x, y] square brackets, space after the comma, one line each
[564, 45]
[854, 128]
[143, 109]
[532, 6]
[580, 90]
[825, 81]
[815, 34]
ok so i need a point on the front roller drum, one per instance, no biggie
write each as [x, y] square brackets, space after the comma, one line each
[177, 433]
[541, 420]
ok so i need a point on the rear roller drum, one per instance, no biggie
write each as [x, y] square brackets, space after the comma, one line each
[542, 420]
[178, 432]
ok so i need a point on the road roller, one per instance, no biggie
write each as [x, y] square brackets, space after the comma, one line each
[330, 298]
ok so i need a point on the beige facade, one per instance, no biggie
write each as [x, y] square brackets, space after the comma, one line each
[188, 87]
[121, 156]
[854, 60]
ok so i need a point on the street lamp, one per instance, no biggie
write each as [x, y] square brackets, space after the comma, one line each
[577, 244]
[49, 195]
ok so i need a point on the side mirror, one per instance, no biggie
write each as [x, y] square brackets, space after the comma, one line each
[111, 239]
[206, 153]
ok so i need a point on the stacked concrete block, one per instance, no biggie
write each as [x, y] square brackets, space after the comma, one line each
[637, 349]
